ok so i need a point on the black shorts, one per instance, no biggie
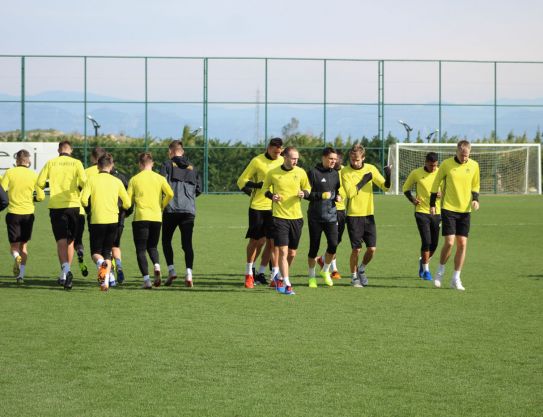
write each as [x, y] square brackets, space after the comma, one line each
[101, 238]
[428, 226]
[118, 235]
[287, 232]
[260, 224]
[455, 223]
[340, 224]
[65, 222]
[362, 228]
[19, 227]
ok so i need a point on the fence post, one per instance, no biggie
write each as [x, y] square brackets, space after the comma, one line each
[206, 147]
[23, 133]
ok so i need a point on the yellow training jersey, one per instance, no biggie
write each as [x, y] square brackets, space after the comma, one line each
[341, 204]
[459, 181]
[66, 176]
[151, 193]
[256, 172]
[20, 183]
[361, 202]
[91, 171]
[103, 191]
[423, 180]
[287, 184]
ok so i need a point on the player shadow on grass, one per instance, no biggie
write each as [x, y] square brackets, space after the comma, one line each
[540, 276]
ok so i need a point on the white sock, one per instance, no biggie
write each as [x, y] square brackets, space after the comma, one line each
[249, 268]
[157, 267]
[441, 269]
[111, 277]
[65, 267]
[15, 254]
[99, 263]
[171, 268]
[275, 271]
[354, 276]
[262, 269]
[362, 267]
[333, 265]
[287, 282]
[146, 278]
[189, 274]
[426, 267]
[22, 271]
[456, 275]
[311, 272]
[326, 267]
[118, 263]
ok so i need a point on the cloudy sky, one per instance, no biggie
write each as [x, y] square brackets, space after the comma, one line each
[385, 29]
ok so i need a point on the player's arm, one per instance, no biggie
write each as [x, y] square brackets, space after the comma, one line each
[198, 189]
[85, 195]
[381, 182]
[39, 193]
[475, 187]
[440, 176]
[267, 185]
[123, 195]
[43, 176]
[245, 182]
[81, 175]
[130, 191]
[305, 186]
[4, 183]
[164, 170]
[167, 193]
[407, 186]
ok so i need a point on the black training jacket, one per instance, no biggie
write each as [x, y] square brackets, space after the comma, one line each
[323, 180]
[185, 182]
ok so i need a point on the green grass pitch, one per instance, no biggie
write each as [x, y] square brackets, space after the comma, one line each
[397, 348]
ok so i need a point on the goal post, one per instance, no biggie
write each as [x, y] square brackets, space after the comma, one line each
[505, 168]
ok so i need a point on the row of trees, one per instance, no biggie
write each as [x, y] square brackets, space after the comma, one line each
[226, 159]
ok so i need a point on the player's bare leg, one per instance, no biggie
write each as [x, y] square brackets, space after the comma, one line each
[448, 243]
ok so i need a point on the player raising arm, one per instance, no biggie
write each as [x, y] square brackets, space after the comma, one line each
[358, 180]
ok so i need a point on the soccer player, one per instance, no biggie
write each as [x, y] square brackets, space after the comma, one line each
[66, 177]
[78, 241]
[260, 229]
[151, 194]
[20, 183]
[4, 201]
[322, 214]
[116, 250]
[358, 180]
[427, 223]
[102, 192]
[286, 185]
[181, 210]
[460, 176]
[340, 210]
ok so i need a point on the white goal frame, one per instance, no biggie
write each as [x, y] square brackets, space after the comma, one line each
[394, 155]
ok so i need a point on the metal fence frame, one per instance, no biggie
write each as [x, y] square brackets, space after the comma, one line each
[206, 61]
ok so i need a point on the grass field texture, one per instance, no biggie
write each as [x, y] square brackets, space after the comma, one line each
[396, 348]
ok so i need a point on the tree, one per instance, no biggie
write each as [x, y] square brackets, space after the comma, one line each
[291, 128]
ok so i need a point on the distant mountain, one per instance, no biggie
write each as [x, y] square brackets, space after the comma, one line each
[245, 123]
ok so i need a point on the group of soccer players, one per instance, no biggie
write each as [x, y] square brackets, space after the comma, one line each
[340, 195]
[160, 203]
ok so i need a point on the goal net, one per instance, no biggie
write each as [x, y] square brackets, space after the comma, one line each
[504, 168]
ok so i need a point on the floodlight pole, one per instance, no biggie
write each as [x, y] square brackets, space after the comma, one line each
[94, 124]
[429, 137]
[408, 128]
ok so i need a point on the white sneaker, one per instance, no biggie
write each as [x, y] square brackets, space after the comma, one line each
[147, 284]
[456, 284]
[437, 280]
